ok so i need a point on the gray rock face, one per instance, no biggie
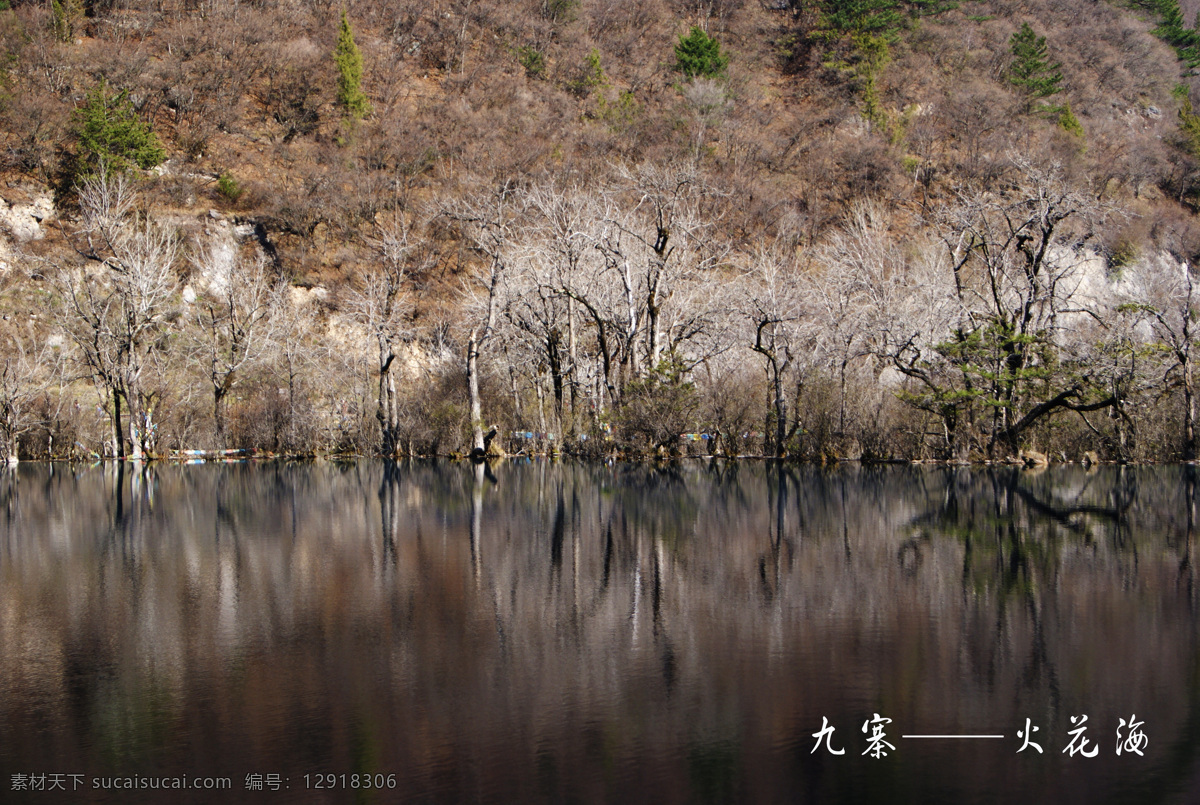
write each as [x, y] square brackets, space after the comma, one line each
[23, 221]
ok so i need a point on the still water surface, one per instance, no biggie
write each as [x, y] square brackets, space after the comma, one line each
[556, 632]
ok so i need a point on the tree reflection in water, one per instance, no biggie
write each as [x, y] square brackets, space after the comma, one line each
[545, 631]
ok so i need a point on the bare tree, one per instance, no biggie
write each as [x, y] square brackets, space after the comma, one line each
[867, 291]
[232, 316]
[645, 297]
[487, 224]
[116, 306]
[556, 249]
[295, 346]
[536, 317]
[657, 245]
[380, 305]
[27, 375]
[608, 307]
[1165, 294]
[1016, 259]
[774, 305]
[710, 104]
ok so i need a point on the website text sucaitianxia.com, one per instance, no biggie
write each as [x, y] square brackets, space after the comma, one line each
[79, 782]
[42, 782]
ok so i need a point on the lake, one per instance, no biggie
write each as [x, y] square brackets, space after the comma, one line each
[557, 632]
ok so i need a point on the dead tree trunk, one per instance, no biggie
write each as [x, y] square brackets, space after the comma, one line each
[118, 438]
[477, 444]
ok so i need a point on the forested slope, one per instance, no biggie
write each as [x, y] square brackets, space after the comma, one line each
[864, 228]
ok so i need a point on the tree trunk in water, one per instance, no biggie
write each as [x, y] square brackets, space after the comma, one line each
[149, 439]
[780, 416]
[292, 375]
[393, 414]
[842, 404]
[135, 438]
[381, 414]
[554, 357]
[598, 408]
[541, 398]
[573, 356]
[473, 389]
[219, 416]
[767, 447]
[556, 380]
[386, 412]
[1189, 413]
[512, 382]
[118, 440]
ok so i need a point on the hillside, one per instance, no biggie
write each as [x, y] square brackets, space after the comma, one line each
[634, 241]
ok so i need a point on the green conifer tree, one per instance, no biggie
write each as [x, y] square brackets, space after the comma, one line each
[1189, 125]
[699, 55]
[350, 67]
[880, 18]
[1069, 123]
[593, 77]
[1031, 71]
[110, 133]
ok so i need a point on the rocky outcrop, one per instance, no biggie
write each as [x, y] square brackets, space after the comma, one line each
[22, 220]
[1032, 459]
[23, 214]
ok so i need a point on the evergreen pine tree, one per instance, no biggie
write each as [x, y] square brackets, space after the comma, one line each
[350, 68]
[880, 18]
[699, 55]
[1189, 124]
[111, 134]
[1069, 123]
[1173, 30]
[1031, 71]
